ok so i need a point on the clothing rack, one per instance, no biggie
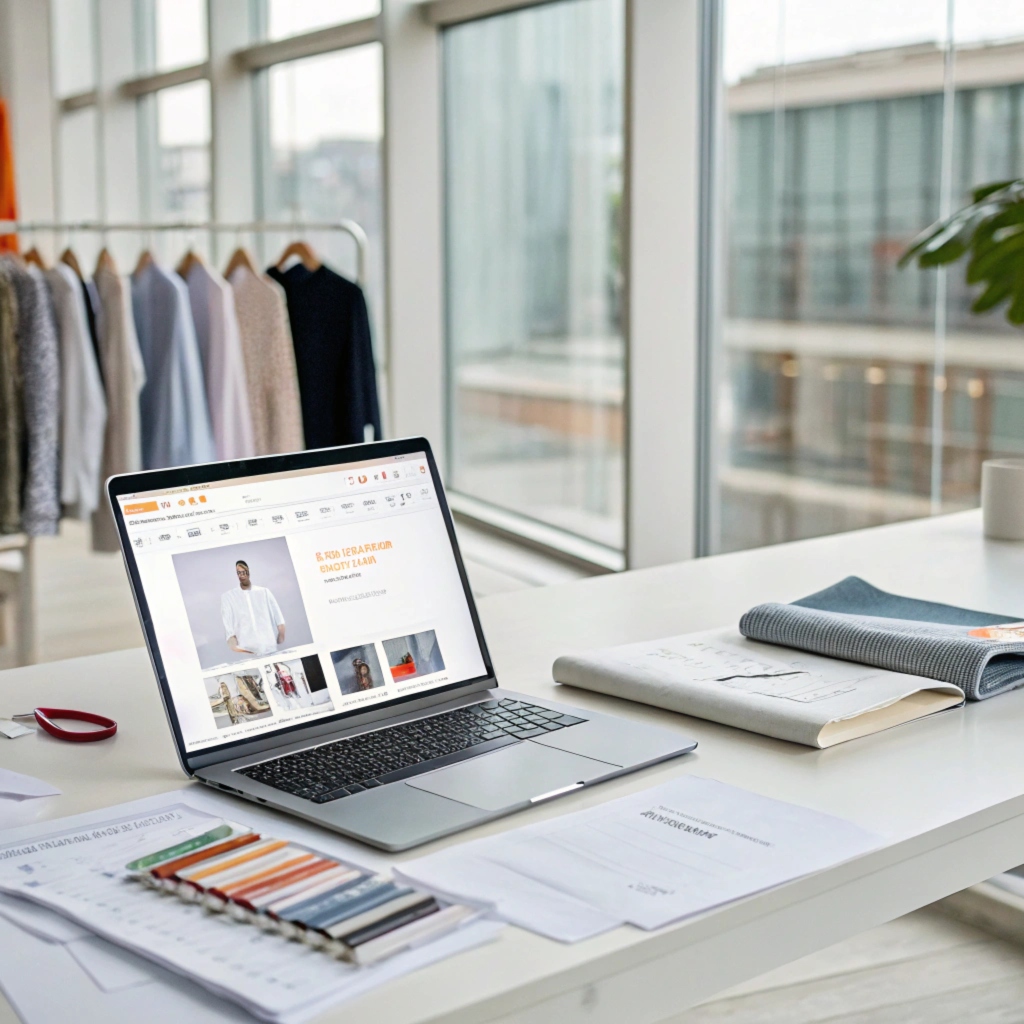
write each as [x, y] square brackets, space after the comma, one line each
[22, 590]
[348, 227]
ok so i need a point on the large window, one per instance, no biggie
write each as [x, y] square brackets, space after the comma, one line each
[533, 187]
[284, 18]
[74, 57]
[170, 34]
[317, 125]
[77, 184]
[174, 123]
[175, 153]
[321, 158]
[852, 392]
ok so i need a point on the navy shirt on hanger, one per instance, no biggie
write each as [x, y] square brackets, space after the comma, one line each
[333, 355]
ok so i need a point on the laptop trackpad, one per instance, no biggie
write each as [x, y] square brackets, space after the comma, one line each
[510, 776]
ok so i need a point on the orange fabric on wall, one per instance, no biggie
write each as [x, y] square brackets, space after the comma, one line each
[8, 203]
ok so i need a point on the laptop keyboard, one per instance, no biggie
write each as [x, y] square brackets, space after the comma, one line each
[339, 769]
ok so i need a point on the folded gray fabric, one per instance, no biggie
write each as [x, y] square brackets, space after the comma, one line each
[858, 622]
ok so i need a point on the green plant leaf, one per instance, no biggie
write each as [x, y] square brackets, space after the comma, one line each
[992, 296]
[1015, 314]
[986, 190]
[982, 267]
[948, 252]
[990, 231]
[935, 237]
[1012, 214]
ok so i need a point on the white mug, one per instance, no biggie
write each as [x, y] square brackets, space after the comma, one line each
[1002, 498]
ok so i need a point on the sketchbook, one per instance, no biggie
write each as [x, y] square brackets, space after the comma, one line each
[722, 676]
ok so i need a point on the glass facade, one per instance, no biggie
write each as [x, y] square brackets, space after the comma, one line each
[533, 186]
[321, 158]
[827, 357]
[174, 162]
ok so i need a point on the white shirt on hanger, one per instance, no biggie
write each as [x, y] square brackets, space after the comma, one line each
[83, 400]
[227, 391]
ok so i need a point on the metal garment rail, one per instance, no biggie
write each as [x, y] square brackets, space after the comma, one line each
[349, 227]
[24, 590]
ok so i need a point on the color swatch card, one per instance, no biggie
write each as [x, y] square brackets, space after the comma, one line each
[292, 891]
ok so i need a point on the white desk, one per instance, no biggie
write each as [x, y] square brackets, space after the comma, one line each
[949, 791]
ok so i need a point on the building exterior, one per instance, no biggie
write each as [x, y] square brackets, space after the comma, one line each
[828, 348]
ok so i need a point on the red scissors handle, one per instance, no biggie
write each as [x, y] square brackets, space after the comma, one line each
[45, 716]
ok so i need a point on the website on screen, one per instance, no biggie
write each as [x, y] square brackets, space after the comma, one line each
[281, 599]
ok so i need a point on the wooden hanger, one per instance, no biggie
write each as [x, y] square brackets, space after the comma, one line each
[105, 261]
[240, 258]
[304, 251]
[188, 261]
[35, 257]
[70, 259]
[145, 259]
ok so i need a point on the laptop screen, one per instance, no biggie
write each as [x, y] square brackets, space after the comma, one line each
[281, 599]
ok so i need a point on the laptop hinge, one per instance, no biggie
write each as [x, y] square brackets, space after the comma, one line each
[340, 726]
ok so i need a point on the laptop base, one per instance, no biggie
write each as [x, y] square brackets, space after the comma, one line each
[440, 801]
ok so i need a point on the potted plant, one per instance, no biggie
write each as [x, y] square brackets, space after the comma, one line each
[991, 231]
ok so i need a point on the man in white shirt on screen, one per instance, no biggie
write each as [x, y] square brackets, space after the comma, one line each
[253, 623]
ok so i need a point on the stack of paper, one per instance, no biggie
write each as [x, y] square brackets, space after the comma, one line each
[90, 981]
[76, 867]
[649, 859]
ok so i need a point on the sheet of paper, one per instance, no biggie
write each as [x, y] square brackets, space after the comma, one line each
[14, 785]
[712, 658]
[12, 730]
[40, 921]
[111, 967]
[74, 866]
[44, 984]
[536, 907]
[654, 857]
[681, 848]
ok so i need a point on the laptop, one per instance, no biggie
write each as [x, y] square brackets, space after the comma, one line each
[318, 649]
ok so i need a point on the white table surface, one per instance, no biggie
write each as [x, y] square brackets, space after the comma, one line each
[948, 791]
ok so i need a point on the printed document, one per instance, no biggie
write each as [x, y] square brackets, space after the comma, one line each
[790, 694]
[649, 859]
[76, 867]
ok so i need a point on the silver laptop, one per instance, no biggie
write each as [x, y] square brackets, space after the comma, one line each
[318, 650]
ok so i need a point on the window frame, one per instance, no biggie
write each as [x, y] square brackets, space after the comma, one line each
[665, 324]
